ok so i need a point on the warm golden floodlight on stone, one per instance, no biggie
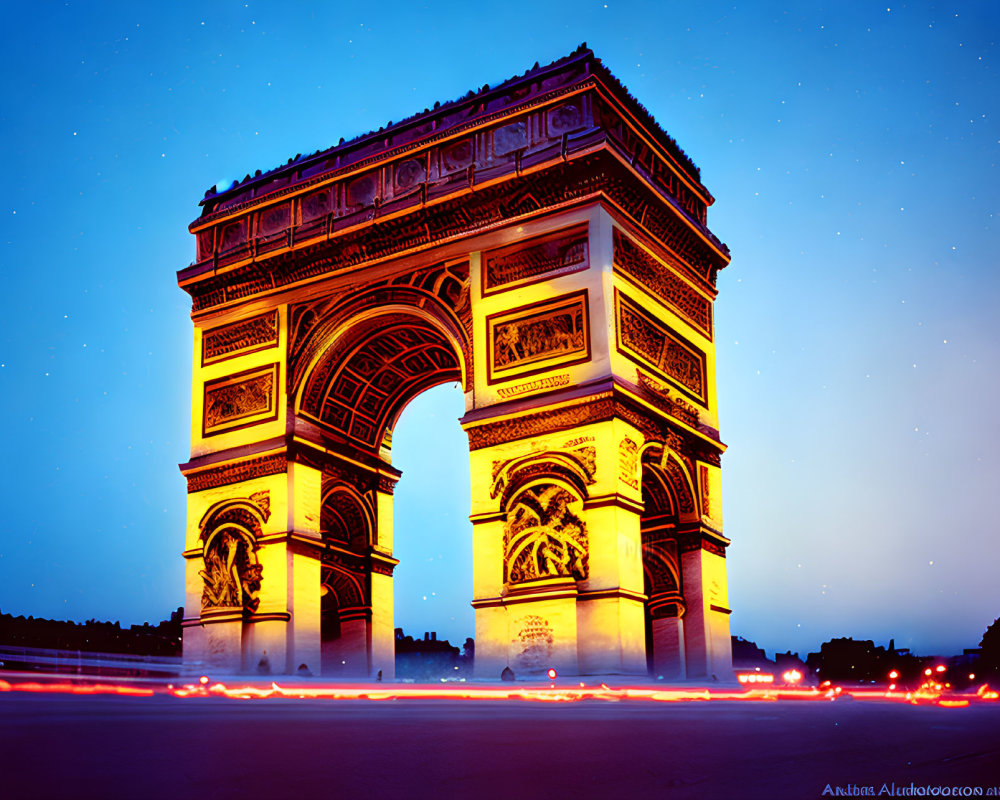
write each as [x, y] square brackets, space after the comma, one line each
[543, 244]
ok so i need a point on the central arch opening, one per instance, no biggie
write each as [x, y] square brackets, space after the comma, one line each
[385, 386]
[432, 533]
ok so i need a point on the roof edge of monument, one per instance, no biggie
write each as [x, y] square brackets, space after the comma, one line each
[213, 198]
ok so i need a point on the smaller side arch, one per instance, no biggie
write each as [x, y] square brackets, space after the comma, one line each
[346, 587]
[346, 518]
[663, 462]
[345, 620]
[663, 579]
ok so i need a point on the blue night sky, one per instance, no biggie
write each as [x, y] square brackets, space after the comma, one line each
[852, 149]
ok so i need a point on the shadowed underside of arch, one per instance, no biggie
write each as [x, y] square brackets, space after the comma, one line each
[364, 380]
[658, 525]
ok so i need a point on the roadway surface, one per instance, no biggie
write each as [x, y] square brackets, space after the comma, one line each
[70, 746]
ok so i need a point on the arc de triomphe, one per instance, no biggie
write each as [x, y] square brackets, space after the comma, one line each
[543, 243]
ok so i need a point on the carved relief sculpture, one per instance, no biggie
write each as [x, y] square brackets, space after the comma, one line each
[658, 278]
[232, 574]
[646, 340]
[243, 399]
[535, 641]
[544, 538]
[521, 263]
[525, 341]
[247, 336]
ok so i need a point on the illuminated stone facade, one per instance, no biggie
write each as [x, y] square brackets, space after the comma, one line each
[543, 244]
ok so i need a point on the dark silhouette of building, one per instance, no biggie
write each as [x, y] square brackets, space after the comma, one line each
[746, 655]
[849, 660]
[989, 651]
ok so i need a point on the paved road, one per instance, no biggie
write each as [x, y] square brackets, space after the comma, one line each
[165, 747]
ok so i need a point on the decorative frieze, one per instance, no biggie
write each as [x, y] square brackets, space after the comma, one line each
[536, 259]
[538, 337]
[488, 207]
[700, 540]
[533, 424]
[650, 343]
[247, 470]
[660, 280]
[660, 396]
[247, 398]
[239, 338]
[381, 568]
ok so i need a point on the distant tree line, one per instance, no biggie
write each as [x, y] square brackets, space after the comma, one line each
[163, 639]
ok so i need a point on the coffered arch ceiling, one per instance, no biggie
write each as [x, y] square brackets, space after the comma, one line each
[368, 374]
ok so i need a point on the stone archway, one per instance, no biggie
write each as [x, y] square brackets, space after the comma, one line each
[543, 244]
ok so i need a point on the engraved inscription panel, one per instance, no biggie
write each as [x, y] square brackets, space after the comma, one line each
[533, 644]
[515, 265]
[536, 385]
[246, 398]
[658, 278]
[650, 343]
[246, 336]
[534, 338]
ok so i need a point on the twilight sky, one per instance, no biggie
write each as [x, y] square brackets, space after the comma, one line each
[853, 153]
